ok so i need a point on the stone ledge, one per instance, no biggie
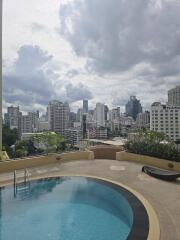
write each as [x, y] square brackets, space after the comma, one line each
[17, 164]
[143, 159]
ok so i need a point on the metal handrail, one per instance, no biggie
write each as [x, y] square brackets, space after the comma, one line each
[26, 176]
[15, 183]
[26, 179]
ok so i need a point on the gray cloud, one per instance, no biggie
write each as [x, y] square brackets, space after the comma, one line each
[130, 46]
[116, 35]
[72, 73]
[137, 39]
[31, 58]
[34, 81]
[29, 83]
[79, 92]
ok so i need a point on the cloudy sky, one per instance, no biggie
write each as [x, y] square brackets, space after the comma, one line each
[102, 50]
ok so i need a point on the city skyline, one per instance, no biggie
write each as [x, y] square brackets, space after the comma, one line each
[62, 55]
[102, 121]
[92, 108]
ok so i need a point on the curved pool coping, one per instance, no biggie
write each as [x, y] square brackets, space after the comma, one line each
[154, 227]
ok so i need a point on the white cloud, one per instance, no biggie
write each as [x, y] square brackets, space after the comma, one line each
[102, 45]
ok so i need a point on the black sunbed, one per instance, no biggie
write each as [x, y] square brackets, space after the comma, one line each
[161, 174]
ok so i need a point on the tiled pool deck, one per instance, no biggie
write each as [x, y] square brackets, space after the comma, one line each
[163, 196]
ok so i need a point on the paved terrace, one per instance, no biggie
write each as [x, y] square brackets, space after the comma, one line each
[163, 196]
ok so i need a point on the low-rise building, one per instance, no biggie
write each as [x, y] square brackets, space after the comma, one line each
[101, 133]
[28, 136]
[73, 136]
[43, 126]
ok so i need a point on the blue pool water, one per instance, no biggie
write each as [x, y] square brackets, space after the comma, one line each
[68, 208]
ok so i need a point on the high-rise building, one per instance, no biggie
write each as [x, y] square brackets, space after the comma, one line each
[6, 119]
[84, 125]
[12, 117]
[25, 124]
[29, 122]
[79, 115]
[85, 106]
[126, 121]
[174, 96]
[72, 119]
[114, 114]
[106, 110]
[133, 107]
[115, 127]
[58, 116]
[100, 116]
[166, 119]
[34, 116]
[90, 116]
[143, 120]
[43, 124]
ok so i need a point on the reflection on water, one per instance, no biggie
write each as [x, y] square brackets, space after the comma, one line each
[57, 196]
[76, 190]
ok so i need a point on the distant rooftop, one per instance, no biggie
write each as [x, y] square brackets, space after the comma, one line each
[114, 142]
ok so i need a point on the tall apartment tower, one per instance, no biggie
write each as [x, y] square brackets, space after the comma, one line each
[58, 116]
[85, 106]
[12, 117]
[79, 115]
[29, 123]
[100, 116]
[84, 125]
[106, 110]
[166, 119]
[174, 96]
[133, 107]
[72, 119]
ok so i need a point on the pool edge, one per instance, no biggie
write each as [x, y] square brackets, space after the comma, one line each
[154, 227]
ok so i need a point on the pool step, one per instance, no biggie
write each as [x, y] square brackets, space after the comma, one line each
[21, 189]
[23, 192]
[22, 186]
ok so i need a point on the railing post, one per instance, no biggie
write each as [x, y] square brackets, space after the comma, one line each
[15, 186]
[25, 175]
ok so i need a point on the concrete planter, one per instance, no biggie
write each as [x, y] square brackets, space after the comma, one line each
[147, 160]
[79, 155]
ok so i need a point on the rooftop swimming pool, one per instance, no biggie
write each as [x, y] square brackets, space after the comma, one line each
[71, 208]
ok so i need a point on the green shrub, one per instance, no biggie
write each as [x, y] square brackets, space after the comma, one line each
[154, 144]
[51, 142]
[21, 152]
